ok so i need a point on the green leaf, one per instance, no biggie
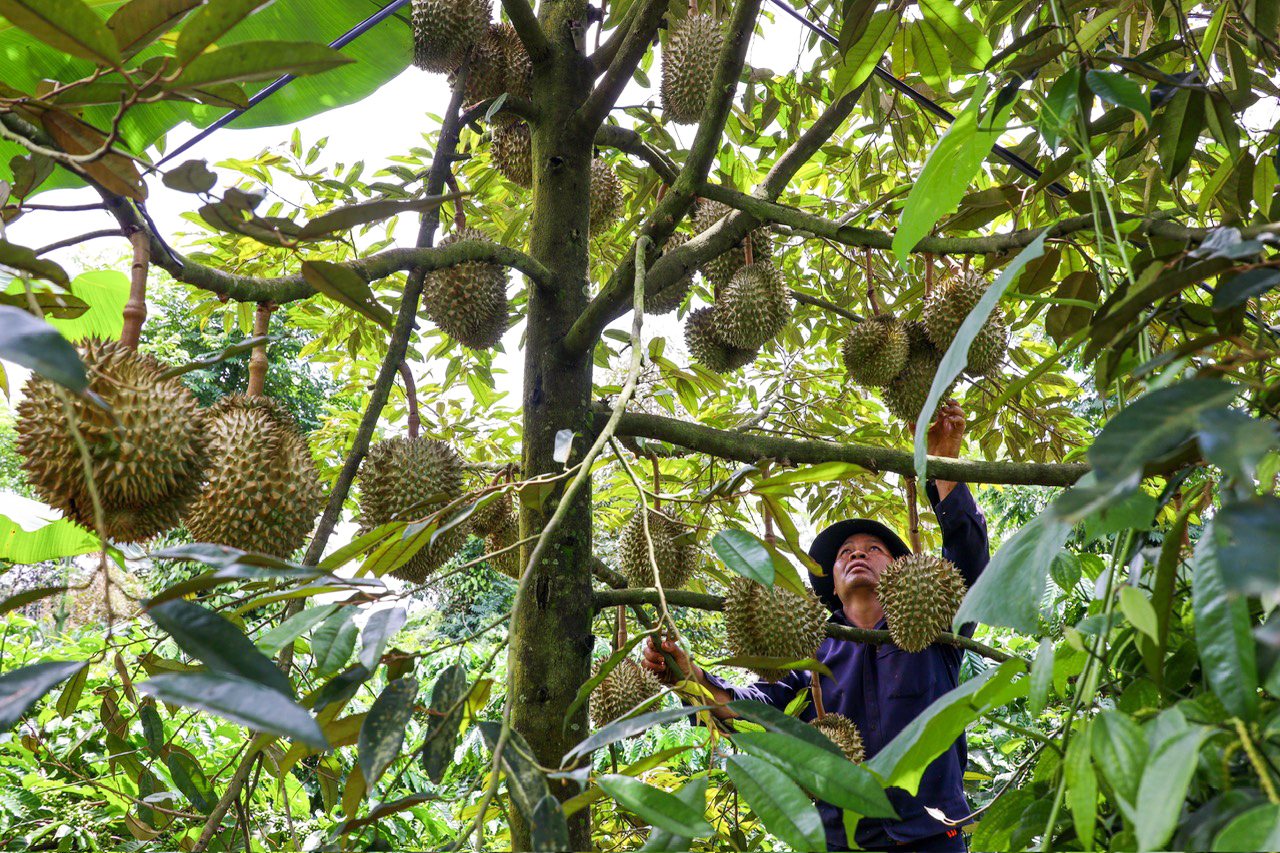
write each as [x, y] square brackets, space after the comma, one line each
[1041, 678]
[191, 176]
[345, 218]
[1239, 289]
[745, 554]
[964, 39]
[664, 811]
[903, 760]
[240, 700]
[1060, 108]
[823, 472]
[1136, 511]
[1236, 442]
[957, 355]
[780, 804]
[776, 721]
[137, 23]
[860, 59]
[620, 729]
[188, 777]
[334, 641]
[106, 291]
[526, 784]
[237, 349]
[378, 630]
[694, 795]
[258, 60]
[1138, 610]
[1180, 126]
[294, 627]
[1120, 751]
[766, 662]
[1164, 787]
[548, 827]
[1082, 787]
[1117, 89]
[67, 25]
[34, 344]
[27, 536]
[382, 732]
[1009, 590]
[584, 692]
[951, 165]
[152, 727]
[219, 644]
[25, 259]
[832, 778]
[442, 725]
[1245, 538]
[339, 689]
[23, 687]
[22, 599]
[213, 21]
[1256, 829]
[346, 287]
[1223, 635]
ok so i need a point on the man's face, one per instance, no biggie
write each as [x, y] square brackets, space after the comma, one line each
[859, 563]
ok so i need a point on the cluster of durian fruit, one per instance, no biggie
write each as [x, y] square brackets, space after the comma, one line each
[901, 357]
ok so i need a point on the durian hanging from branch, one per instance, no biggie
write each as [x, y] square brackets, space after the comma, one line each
[468, 301]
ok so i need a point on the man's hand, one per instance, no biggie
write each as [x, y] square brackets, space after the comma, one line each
[655, 663]
[946, 434]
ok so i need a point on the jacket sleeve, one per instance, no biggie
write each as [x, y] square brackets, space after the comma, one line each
[964, 530]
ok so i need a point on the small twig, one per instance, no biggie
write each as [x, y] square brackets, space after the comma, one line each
[459, 214]
[76, 241]
[815, 690]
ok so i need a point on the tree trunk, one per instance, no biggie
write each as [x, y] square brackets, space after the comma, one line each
[551, 639]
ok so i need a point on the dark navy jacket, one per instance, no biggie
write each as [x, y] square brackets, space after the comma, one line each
[883, 688]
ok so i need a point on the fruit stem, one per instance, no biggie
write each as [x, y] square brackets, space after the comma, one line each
[620, 636]
[872, 301]
[746, 250]
[411, 398]
[928, 273]
[657, 482]
[135, 310]
[815, 690]
[913, 515]
[258, 361]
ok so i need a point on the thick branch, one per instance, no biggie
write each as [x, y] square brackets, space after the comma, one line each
[604, 599]
[628, 140]
[527, 27]
[727, 444]
[603, 57]
[634, 46]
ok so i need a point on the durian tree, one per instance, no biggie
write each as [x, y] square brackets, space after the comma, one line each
[1061, 214]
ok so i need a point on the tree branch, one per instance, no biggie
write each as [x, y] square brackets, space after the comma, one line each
[604, 599]
[634, 46]
[527, 27]
[603, 57]
[727, 444]
[628, 140]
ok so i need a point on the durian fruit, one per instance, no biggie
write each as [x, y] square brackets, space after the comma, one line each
[707, 348]
[487, 68]
[920, 594]
[486, 519]
[752, 308]
[511, 150]
[444, 30]
[519, 67]
[772, 622]
[627, 685]
[689, 66]
[875, 351]
[262, 491]
[468, 301]
[843, 732]
[404, 479]
[672, 296]
[676, 561]
[605, 197]
[905, 395]
[504, 535]
[947, 306]
[148, 452]
[720, 269]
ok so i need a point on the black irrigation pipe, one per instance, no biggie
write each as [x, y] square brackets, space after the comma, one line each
[337, 44]
[925, 102]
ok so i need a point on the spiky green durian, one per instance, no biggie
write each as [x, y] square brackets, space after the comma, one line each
[443, 31]
[485, 519]
[875, 351]
[148, 449]
[511, 150]
[988, 349]
[675, 563]
[920, 594]
[689, 66]
[947, 306]
[772, 622]
[752, 308]
[262, 492]
[468, 301]
[518, 65]
[843, 732]
[627, 685]
[672, 296]
[720, 269]
[605, 197]
[906, 394]
[707, 349]
[404, 479]
[486, 68]
[498, 542]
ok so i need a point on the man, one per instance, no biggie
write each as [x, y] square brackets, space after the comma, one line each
[880, 688]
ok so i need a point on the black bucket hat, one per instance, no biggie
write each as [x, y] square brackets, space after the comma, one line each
[827, 545]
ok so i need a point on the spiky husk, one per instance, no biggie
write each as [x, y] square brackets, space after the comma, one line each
[988, 349]
[675, 561]
[875, 351]
[906, 394]
[605, 197]
[778, 623]
[707, 349]
[487, 68]
[484, 520]
[720, 269]
[672, 296]
[262, 491]
[147, 469]
[752, 308]
[689, 66]
[443, 31]
[843, 732]
[504, 535]
[920, 594]
[511, 150]
[468, 302]
[404, 479]
[627, 685]
[518, 65]
[948, 306]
